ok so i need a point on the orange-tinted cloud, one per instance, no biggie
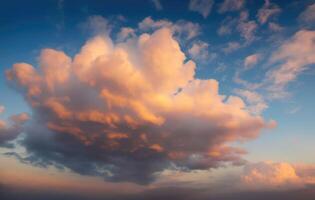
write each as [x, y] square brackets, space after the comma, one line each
[295, 56]
[127, 110]
[275, 176]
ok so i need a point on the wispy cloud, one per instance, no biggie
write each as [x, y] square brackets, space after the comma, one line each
[267, 11]
[157, 4]
[231, 5]
[201, 6]
[308, 15]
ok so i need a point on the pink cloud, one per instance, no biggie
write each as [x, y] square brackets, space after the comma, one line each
[127, 110]
[295, 56]
[277, 176]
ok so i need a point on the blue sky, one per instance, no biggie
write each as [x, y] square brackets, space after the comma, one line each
[247, 46]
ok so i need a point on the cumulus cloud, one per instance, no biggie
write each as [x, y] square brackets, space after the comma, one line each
[231, 5]
[12, 127]
[267, 11]
[308, 15]
[277, 175]
[127, 110]
[294, 56]
[201, 6]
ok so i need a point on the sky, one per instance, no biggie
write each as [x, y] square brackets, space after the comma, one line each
[157, 99]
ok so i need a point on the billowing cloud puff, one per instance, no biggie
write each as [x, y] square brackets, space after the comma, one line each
[11, 128]
[128, 110]
[273, 175]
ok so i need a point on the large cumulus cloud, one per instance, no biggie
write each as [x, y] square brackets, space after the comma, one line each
[128, 110]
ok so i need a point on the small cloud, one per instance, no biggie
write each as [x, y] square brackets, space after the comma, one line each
[221, 68]
[2, 108]
[231, 5]
[231, 46]
[256, 103]
[267, 11]
[199, 51]
[227, 26]
[181, 28]
[97, 25]
[11, 128]
[245, 27]
[294, 110]
[125, 33]
[274, 27]
[157, 4]
[201, 6]
[251, 60]
[308, 15]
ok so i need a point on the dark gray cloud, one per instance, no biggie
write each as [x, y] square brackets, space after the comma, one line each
[11, 128]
